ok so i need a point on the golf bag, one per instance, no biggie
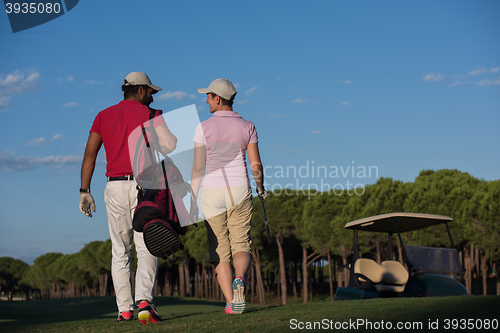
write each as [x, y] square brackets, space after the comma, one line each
[160, 206]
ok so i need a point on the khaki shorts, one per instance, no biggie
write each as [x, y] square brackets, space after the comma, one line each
[228, 221]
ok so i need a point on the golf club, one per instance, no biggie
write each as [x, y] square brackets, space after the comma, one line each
[267, 224]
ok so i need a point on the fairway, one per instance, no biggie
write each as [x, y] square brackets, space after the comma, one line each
[195, 315]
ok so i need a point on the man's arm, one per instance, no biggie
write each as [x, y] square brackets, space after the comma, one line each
[166, 140]
[256, 166]
[88, 164]
[94, 143]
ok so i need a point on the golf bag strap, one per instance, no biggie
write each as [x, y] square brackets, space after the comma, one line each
[152, 113]
[140, 193]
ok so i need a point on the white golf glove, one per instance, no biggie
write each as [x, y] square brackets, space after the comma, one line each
[86, 200]
[263, 195]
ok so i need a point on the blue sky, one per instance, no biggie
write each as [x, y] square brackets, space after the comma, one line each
[399, 86]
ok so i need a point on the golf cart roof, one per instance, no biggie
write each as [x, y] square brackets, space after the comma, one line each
[405, 222]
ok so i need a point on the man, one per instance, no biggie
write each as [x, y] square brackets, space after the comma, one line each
[226, 197]
[112, 128]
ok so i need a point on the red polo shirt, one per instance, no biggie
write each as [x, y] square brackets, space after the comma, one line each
[114, 125]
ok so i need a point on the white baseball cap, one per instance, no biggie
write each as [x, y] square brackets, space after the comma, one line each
[140, 79]
[222, 87]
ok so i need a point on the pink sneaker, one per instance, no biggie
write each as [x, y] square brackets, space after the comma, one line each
[147, 313]
[227, 309]
[125, 316]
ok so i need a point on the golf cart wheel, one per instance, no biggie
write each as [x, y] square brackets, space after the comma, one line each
[160, 238]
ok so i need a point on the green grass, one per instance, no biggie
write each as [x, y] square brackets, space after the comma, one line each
[195, 315]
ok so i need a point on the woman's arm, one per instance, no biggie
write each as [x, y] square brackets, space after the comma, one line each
[196, 174]
[256, 166]
[198, 169]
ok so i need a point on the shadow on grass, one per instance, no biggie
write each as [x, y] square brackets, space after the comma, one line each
[196, 315]
[93, 308]
[176, 301]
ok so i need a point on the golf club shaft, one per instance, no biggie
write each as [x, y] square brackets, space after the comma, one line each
[267, 224]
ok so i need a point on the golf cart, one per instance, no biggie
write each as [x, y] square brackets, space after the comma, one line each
[430, 271]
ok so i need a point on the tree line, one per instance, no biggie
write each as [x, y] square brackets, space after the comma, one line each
[310, 248]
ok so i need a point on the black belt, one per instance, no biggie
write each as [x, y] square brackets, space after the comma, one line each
[129, 177]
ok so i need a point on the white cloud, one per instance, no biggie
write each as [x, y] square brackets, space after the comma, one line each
[93, 82]
[277, 116]
[42, 140]
[250, 91]
[33, 77]
[17, 82]
[483, 70]
[315, 132]
[58, 137]
[67, 105]
[9, 162]
[347, 82]
[69, 78]
[482, 83]
[51, 160]
[344, 103]
[236, 85]
[177, 95]
[433, 77]
[36, 142]
[4, 101]
[304, 100]
[12, 78]
[244, 101]
[478, 71]
[283, 148]
[488, 82]
[193, 96]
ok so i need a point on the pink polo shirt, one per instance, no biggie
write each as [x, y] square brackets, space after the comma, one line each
[226, 136]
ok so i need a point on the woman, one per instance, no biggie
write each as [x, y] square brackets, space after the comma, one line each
[226, 196]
